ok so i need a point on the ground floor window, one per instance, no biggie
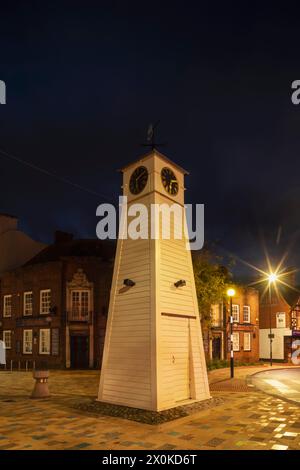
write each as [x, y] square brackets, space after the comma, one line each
[7, 339]
[247, 341]
[236, 341]
[44, 347]
[27, 342]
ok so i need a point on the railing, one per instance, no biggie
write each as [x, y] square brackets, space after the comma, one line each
[79, 316]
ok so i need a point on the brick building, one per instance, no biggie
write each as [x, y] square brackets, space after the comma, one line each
[53, 309]
[245, 307]
[279, 313]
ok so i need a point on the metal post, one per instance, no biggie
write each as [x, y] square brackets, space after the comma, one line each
[26, 366]
[231, 342]
[11, 365]
[270, 320]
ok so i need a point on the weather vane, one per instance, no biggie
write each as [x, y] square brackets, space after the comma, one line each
[151, 137]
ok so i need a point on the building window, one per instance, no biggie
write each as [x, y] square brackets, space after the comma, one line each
[44, 341]
[28, 303]
[236, 341]
[280, 320]
[216, 315]
[80, 301]
[236, 313]
[7, 338]
[27, 342]
[247, 341]
[7, 303]
[45, 302]
[246, 314]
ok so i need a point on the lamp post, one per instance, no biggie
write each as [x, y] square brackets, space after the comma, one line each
[272, 278]
[231, 293]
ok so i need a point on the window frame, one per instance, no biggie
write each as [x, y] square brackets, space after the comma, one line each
[4, 332]
[247, 333]
[238, 313]
[24, 303]
[45, 291]
[7, 296]
[238, 336]
[24, 342]
[249, 313]
[43, 353]
[80, 292]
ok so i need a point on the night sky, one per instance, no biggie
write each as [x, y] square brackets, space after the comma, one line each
[85, 79]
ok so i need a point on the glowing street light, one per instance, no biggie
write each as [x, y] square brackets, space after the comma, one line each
[272, 278]
[231, 293]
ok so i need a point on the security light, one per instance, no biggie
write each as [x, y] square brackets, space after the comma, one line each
[128, 283]
[180, 283]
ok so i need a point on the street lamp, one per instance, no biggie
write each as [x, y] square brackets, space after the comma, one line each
[231, 293]
[272, 278]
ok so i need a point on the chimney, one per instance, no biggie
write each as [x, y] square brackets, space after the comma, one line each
[62, 237]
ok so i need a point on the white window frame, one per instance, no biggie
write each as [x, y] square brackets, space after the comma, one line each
[5, 314]
[26, 341]
[24, 303]
[80, 292]
[236, 344]
[247, 334]
[45, 291]
[4, 335]
[42, 330]
[237, 313]
[248, 309]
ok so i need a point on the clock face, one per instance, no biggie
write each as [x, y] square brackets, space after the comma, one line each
[138, 180]
[169, 181]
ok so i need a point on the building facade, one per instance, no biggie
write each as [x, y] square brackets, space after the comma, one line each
[245, 309]
[280, 317]
[54, 308]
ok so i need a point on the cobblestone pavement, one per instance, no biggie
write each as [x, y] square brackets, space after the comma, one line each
[246, 420]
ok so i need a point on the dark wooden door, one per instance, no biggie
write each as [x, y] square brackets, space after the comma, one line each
[79, 352]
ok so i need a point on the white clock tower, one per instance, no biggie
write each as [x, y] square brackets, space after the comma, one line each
[153, 355]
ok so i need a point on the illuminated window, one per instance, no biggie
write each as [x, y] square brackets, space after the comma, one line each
[236, 313]
[236, 341]
[45, 301]
[7, 304]
[247, 341]
[27, 342]
[28, 303]
[44, 347]
[7, 338]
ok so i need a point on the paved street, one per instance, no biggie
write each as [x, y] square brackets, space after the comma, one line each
[246, 420]
[284, 383]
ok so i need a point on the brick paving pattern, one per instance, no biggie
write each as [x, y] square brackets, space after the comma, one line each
[244, 421]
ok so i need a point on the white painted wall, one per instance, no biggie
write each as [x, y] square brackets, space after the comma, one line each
[277, 345]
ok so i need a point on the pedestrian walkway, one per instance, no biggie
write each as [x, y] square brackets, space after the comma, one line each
[245, 420]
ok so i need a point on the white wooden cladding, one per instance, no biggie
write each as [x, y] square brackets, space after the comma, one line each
[153, 355]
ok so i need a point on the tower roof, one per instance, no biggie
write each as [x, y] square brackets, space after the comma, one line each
[147, 155]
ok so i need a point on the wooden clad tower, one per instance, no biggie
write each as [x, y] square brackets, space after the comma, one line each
[153, 355]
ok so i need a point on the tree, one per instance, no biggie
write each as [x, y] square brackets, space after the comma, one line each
[211, 279]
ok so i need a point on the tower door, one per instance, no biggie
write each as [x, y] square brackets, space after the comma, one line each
[175, 337]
